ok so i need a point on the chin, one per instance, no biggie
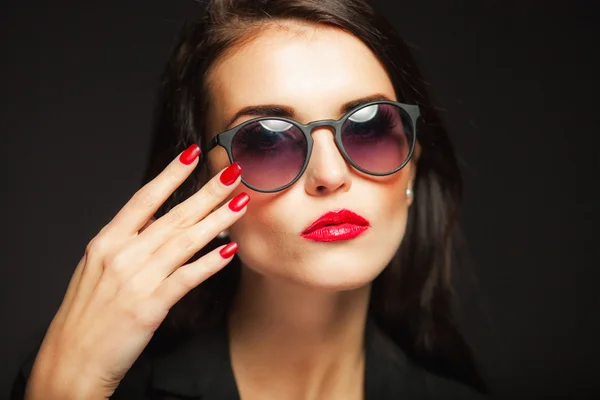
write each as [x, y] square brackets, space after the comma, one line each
[342, 276]
[336, 285]
[327, 273]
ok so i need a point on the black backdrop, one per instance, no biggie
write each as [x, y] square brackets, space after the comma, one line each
[518, 85]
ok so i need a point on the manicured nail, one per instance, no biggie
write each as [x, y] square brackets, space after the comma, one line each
[190, 154]
[229, 250]
[239, 201]
[229, 176]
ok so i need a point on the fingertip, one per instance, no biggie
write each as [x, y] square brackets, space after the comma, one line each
[229, 250]
[231, 174]
[190, 154]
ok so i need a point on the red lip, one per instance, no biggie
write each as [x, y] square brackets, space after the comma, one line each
[336, 225]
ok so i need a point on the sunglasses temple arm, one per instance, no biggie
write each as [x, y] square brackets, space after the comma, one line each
[211, 145]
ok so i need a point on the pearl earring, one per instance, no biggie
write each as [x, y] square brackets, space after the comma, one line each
[409, 192]
[223, 235]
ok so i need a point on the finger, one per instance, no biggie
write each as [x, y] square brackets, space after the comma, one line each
[147, 200]
[180, 248]
[93, 274]
[187, 277]
[87, 274]
[188, 213]
[147, 225]
[90, 270]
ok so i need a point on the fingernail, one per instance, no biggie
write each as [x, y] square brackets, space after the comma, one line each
[229, 250]
[190, 154]
[230, 175]
[239, 201]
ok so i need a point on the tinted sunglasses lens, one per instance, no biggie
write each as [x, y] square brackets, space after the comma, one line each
[271, 153]
[378, 138]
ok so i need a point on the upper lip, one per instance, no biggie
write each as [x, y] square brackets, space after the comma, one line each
[336, 217]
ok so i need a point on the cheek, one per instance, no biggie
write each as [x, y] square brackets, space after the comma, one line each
[264, 216]
[393, 211]
[389, 197]
[390, 192]
[265, 233]
[269, 241]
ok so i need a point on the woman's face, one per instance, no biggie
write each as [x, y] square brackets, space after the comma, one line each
[314, 71]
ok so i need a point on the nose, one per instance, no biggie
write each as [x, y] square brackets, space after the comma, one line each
[327, 171]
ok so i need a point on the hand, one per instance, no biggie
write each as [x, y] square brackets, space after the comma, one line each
[131, 274]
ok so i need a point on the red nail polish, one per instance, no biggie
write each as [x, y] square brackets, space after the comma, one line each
[229, 250]
[229, 176]
[190, 154]
[239, 201]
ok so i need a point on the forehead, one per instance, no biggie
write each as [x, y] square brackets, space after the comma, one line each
[311, 68]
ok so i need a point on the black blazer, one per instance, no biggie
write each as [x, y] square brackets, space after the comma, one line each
[200, 369]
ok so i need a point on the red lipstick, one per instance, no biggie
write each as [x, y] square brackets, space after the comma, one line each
[336, 225]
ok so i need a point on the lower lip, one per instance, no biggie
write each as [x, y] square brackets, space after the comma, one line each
[334, 233]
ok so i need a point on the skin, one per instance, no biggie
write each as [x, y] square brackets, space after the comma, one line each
[296, 328]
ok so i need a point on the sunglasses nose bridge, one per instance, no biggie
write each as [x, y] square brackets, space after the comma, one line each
[332, 126]
[324, 123]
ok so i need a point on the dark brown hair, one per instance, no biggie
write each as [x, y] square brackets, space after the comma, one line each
[412, 299]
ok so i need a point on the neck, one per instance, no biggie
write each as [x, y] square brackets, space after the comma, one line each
[294, 342]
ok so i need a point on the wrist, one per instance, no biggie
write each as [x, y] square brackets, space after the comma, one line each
[51, 384]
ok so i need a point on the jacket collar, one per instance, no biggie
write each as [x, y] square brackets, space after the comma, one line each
[201, 368]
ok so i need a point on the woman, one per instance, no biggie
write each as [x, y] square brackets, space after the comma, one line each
[331, 283]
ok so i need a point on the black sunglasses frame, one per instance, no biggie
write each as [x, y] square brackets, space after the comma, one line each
[224, 139]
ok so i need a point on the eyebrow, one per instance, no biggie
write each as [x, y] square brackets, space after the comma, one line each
[277, 110]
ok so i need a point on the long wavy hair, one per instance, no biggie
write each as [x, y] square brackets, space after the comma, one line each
[412, 299]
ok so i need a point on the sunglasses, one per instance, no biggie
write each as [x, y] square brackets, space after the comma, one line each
[377, 138]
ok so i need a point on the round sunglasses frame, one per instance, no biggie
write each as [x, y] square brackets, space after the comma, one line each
[224, 139]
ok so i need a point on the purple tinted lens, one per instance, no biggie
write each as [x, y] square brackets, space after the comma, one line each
[378, 138]
[271, 153]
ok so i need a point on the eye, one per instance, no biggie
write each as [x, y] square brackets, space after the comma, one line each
[365, 114]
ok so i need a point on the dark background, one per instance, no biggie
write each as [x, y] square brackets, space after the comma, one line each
[517, 82]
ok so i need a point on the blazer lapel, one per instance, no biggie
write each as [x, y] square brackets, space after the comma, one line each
[199, 368]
